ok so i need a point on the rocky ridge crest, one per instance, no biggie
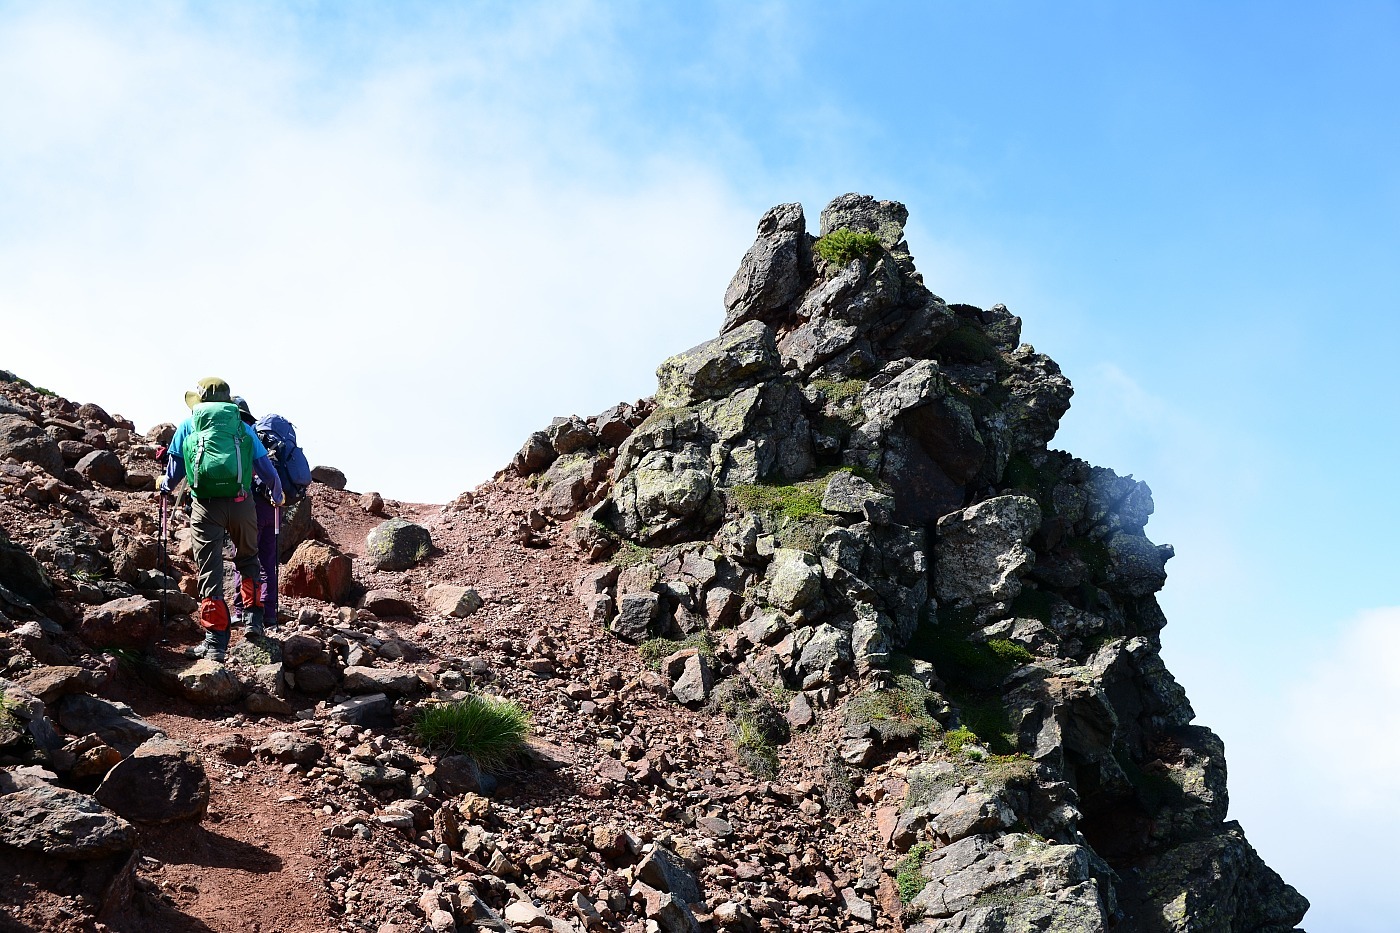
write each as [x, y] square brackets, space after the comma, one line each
[846, 500]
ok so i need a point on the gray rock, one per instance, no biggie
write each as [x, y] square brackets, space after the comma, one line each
[794, 581]
[103, 468]
[315, 679]
[289, 748]
[864, 214]
[161, 782]
[1136, 566]
[826, 652]
[1218, 876]
[773, 272]
[982, 552]
[716, 368]
[360, 680]
[115, 722]
[387, 604]
[62, 823]
[1014, 882]
[535, 454]
[690, 675]
[397, 545]
[20, 572]
[28, 443]
[374, 711]
[848, 494]
[567, 435]
[663, 870]
[636, 612]
[130, 622]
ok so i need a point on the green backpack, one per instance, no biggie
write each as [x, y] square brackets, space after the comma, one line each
[218, 452]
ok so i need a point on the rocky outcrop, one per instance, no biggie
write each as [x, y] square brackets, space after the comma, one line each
[849, 493]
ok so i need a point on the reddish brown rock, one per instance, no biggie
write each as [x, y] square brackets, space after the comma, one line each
[133, 622]
[318, 571]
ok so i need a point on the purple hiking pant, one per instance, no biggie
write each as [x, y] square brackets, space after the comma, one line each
[267, 557]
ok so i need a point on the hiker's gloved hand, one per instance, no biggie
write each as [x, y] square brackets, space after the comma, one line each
[280, 500]
[165, 489]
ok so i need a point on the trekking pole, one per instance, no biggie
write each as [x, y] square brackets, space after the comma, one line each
[164, 565]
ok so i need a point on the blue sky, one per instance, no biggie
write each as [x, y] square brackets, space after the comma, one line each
[416, 225]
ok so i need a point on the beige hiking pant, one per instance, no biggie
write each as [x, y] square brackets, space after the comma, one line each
[211, 520]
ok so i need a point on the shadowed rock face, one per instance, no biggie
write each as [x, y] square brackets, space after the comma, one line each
[851, 486]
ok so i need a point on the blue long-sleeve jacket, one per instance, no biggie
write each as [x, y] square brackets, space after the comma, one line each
[262, 464]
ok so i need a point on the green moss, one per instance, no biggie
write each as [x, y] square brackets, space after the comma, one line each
[842, 245]
[631, 555]
[839, 392]
[7, 711]
[961, 659]
[655, 650]
[908, 875]
[1009, 653]
[797, 501]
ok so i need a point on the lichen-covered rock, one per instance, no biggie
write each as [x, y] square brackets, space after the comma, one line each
[210, 683]
[735, 360]
[451, 599]
[1015, 882]
[982, 552]
[397, 545]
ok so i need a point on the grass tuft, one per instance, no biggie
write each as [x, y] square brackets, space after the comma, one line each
[492, 731]
[908, 877]
[842, 245]
[798, 501]
[655, 650]
[754, 749]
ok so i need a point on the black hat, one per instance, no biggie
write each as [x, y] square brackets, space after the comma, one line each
[243, 411]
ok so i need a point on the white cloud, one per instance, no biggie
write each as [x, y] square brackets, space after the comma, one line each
[1315, 773]
[413, 261]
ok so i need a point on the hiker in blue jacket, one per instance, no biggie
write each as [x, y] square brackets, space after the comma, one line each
[217, 454]
[267, 547]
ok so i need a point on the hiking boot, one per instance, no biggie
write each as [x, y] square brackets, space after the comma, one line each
[214, 647]
[253, 623]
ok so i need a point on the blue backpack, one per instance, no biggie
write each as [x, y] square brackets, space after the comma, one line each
[279, 436]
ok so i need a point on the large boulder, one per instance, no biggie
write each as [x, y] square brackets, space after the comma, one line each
[161, 782]
[388, 604]
[397, 545]
[298, 525]
[982, 552]
[102, 468]
[28, 443]
[328, 476]
[716, 368]
[132, 622]
[318, 571]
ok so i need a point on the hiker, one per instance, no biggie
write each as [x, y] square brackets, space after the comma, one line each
[278, 436]
[217, 454]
